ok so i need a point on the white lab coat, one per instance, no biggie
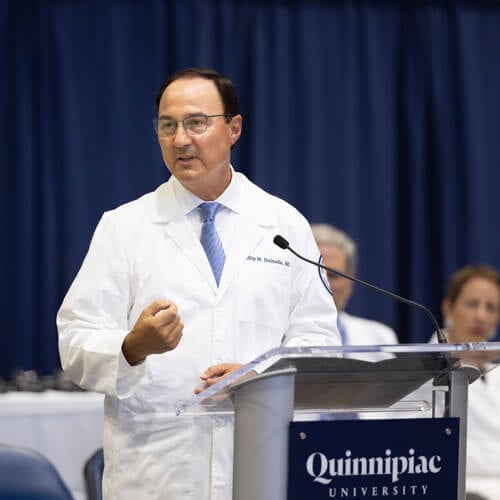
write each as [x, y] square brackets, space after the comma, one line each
[362, 331]
[146, 250]
[483, 436]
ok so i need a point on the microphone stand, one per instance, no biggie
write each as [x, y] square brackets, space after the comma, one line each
[283, 243]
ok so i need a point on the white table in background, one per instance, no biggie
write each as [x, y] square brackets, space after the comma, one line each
[66, 427]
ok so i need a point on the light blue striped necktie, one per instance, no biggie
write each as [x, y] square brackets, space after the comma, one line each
[210, 239]
[341, 328]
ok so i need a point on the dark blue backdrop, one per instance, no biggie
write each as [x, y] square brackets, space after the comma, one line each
[379, 117]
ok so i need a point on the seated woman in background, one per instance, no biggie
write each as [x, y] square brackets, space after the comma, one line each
[471, 311]
[471, 305]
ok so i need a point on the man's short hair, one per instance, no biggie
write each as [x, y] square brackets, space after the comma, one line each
[225, 87]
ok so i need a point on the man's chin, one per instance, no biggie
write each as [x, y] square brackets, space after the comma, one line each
[186, 170]
[191, 178]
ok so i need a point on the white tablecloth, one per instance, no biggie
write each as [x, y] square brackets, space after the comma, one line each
[66, 427]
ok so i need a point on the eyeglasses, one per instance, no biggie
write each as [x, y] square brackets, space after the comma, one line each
[193, 125]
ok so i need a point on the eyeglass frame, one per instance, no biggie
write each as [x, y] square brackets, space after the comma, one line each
[156, 121]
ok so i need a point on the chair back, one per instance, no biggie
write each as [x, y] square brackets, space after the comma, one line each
[92, 472]
[25, 474]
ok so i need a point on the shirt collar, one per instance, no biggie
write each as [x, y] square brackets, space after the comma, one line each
[173, 200]
[230, 198]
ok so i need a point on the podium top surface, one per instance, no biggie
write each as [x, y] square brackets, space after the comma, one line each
[350, 377]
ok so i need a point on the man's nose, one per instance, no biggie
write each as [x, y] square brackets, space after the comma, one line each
[181, 137]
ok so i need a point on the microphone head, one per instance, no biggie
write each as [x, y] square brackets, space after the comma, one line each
[281, 242]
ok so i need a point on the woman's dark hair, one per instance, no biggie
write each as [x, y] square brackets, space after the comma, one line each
[225, 87]
[460, 277]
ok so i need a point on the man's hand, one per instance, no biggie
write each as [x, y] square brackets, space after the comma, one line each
[158, 329]
[214, 373]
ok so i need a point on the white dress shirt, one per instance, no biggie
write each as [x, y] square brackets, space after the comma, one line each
[362, 331]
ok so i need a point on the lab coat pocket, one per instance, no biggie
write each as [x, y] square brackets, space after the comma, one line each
[262, 311]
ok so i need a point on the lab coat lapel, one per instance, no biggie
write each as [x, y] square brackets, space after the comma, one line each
[247, 236]
[255, 220]
[183, 236]
[168, 212]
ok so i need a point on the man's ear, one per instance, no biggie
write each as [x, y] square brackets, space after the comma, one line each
[235, 126]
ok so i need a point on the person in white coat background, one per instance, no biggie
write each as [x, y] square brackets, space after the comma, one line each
[471, 312]
[150, 317]
[340, 253]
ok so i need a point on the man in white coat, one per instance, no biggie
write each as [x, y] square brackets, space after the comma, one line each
[150, 318]
[339, 252]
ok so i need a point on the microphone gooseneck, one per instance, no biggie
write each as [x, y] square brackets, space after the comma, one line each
[283, 244]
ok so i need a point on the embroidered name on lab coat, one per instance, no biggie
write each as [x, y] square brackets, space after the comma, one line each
[267, 260]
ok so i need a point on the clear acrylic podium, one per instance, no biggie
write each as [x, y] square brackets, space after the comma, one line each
[288, 384]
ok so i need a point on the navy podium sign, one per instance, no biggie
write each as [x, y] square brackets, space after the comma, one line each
[375, 459]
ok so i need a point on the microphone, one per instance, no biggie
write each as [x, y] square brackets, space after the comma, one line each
[283, 243]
